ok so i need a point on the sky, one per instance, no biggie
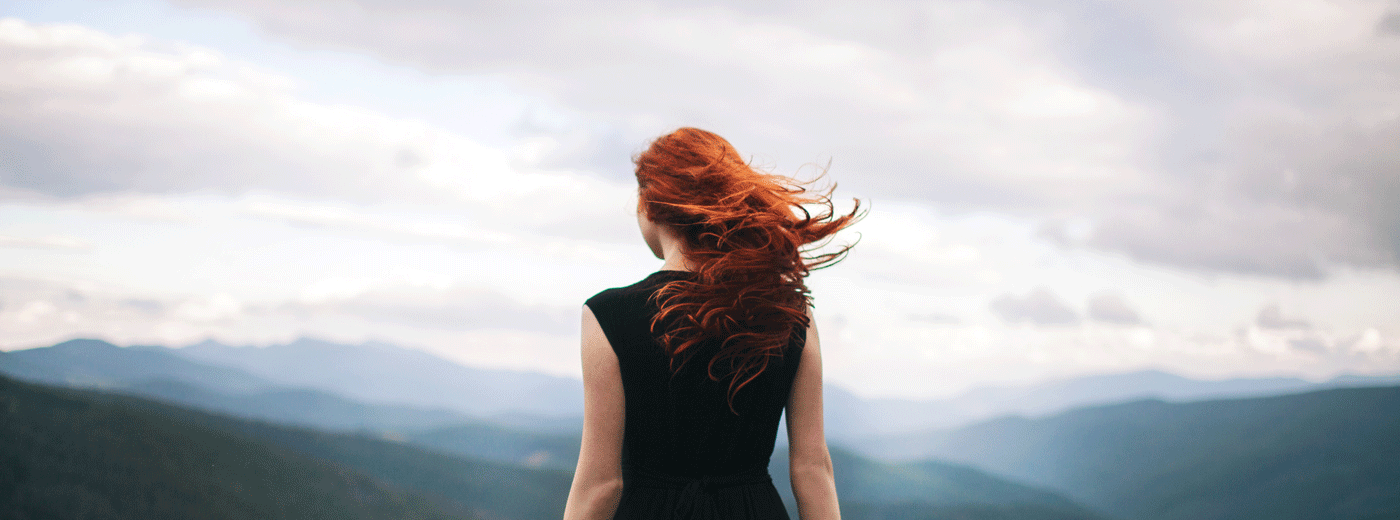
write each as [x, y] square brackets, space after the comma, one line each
[1055, 189]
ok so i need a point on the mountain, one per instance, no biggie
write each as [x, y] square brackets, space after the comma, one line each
[1317, 455]
[129, 454]
[156, 372]
[75, 454]
[852, 418]
[381, 373]
[496, 490]
[423, 391]
[440, 430]
[929, 490]
[531, 441]
[298, 407]
[384, 374]
[1323, 454]
[868, 489]
[83, 454]
[99, 364]
[501, 443]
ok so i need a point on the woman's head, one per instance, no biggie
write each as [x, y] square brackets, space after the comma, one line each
[746, 233]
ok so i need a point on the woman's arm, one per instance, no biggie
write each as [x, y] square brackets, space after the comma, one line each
[809, 462]
[598, 478]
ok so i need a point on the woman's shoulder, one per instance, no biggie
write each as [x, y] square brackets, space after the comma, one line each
[631, 294]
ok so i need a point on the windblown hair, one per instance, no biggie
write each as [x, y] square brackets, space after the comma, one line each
[748, 236]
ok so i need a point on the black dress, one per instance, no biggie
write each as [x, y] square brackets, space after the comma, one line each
[685, 455]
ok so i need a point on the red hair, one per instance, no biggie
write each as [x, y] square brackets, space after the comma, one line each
[746, 233]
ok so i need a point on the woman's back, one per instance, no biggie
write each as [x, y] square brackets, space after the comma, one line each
[685, 453]
[681, 424]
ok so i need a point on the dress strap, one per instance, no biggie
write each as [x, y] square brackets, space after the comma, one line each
[696, 500]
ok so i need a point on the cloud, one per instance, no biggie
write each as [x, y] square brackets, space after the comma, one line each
[445, 308]
[1235, 240]
[83, 112]
[89, 116]
[35, 312]
[46, 242]
[1316, 345]
[1112, 308]
[1390, 24]
[959, 103]
[1282, 137]
[1298, 194]
[1270, 317]
[1039, 307]
[1160, 122]
[364, 222]
[935, 318]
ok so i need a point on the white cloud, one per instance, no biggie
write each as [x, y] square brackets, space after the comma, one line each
[1039, 307]
[1152, 120]
[45, 242]
[88, 113]
[445, 307]
[474, 325]
[216, 200]
[966, 92]
[1271, 317]
[1110, 307]
[357, 219]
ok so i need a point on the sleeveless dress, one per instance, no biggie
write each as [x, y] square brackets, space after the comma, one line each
[685, 454]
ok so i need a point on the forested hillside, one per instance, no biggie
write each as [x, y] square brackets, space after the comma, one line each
[1330, 454]
[74, 454]
[87, 454]
[78, 453]
[928, 490]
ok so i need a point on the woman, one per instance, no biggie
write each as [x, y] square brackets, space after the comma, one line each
[687, 372]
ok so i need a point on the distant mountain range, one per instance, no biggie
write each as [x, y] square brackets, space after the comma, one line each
[81, 454]
[74, 454]
[1325, 454]
[1305, 454]
[856, 418]
[501, 443]
[384, 374]
[875, 489]
[381, 387]
[98, 364]
[159, 373]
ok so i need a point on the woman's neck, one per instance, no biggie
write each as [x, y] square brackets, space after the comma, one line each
[673, 252]
[676, 265]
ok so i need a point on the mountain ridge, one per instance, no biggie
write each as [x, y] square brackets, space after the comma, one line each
[885, 416]
[426, 477]
[386, 374]
[84, 454]
[382, 374]
[99, 364]
[1297, 456]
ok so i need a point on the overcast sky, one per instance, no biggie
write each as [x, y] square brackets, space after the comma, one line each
[1210, 187]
